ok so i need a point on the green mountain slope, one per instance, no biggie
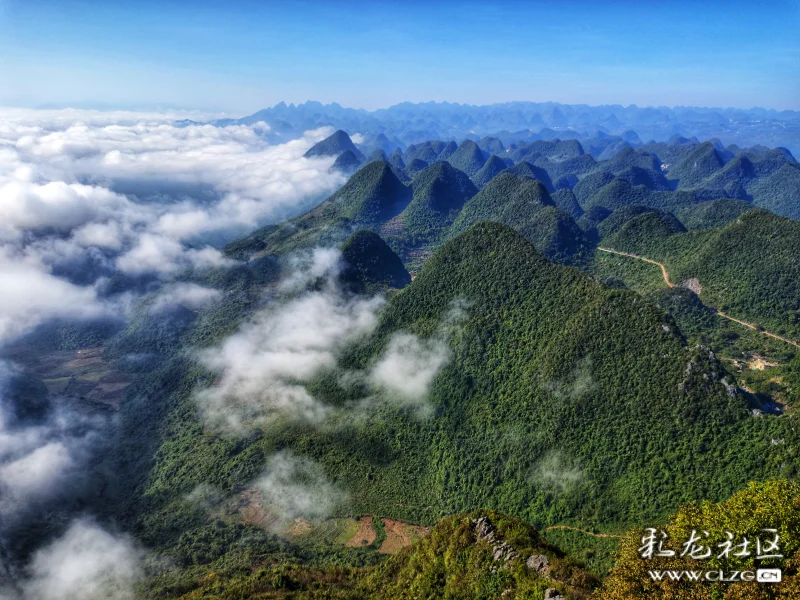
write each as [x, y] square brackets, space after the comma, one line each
[566, 201]
[440, 192]
[425, 151]
[447, 151]
[620, 193]
[370, 265]
[590, 184]
[667, 222]
[525, 205]
[562, 401]
[733, 178]
[415, 166]
[747, 268]
[652, 180]
[716, 213]
[346, 162]
[396, 160]
[494, 165]
[373, 194]
[779, 192]
[627, 157]
[468, 158]
[491, 145]
[697, 165]
[480, 555]
[526, 169]
[334, 145]
[556, 169]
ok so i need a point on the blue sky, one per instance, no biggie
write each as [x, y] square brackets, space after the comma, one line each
[239, 56]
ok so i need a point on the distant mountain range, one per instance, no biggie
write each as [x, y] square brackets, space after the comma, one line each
[408, 123]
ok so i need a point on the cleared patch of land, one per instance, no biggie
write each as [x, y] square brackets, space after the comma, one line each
[759, 363]
[399, 535]
[81, 375]
[365, 534]
[246, 507]
[298, 527]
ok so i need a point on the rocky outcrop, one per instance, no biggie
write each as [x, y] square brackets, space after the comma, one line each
[539, 563]
[703, 369]
[692, 284]
[486, 532]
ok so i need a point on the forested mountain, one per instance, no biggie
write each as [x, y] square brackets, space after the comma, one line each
[748, 267]
[462, 374]
[334, 145]
[602, 416]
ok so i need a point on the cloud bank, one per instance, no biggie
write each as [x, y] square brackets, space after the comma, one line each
[42, 459]
[86, 563]
[409, 365]
[263, 367]
[89, 199]
[295, 486]
[32, 294]
[45, 458]
[189, 295]
[86, 194]
[553, 472]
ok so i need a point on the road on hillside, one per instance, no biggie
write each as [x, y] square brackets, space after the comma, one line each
[568, 528]
[665, 275]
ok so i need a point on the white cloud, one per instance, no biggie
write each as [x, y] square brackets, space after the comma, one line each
[553, 472]
[254, 180]
[32, 295]
[44, 464]
[294, 486]
[409, 365]
[133, 192]
[40, 461]
[38, 472]
[86, 563]
[167, 256]
[579, 383]
[308, 267]
[189, 295]
[264, 365]
[55, 205]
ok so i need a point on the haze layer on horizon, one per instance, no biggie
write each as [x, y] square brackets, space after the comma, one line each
[244, 55]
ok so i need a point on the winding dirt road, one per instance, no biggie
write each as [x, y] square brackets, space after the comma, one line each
[665, 275]
[567, 527]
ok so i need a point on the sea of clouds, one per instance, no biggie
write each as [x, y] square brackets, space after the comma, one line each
[86, 196]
